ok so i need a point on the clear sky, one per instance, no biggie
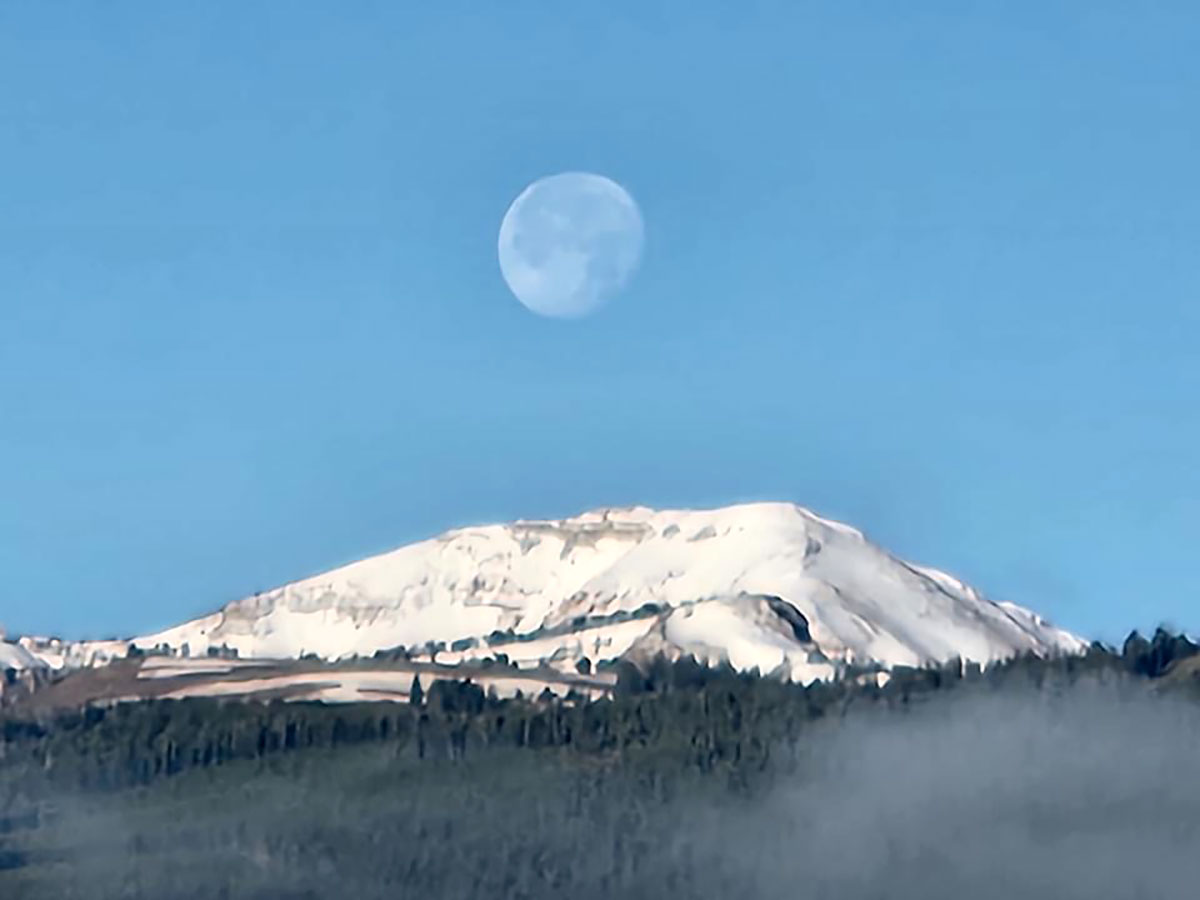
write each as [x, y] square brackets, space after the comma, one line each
[929, 268]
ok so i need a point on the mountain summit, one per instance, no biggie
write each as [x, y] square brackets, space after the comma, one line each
[766, 585]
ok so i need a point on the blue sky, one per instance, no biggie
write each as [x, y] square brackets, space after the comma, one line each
[929, 268]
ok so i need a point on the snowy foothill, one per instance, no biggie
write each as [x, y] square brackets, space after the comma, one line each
[14, 656]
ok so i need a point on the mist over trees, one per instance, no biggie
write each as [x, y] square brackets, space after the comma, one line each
[1066, 777]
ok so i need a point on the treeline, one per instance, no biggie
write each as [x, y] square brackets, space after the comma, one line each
[682, 714]
[458, 794]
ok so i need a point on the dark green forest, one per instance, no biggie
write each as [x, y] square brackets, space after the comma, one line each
[688, 782]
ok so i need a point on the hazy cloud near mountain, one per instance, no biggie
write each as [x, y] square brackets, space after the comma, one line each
[1084, 795]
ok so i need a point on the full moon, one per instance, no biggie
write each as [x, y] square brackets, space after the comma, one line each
[569, 243]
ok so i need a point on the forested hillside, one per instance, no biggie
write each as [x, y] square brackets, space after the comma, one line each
[690, 781]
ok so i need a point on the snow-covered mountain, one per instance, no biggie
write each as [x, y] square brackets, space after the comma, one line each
[770, 585]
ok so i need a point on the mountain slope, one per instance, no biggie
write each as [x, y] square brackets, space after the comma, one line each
[762, 583]
[14, 656]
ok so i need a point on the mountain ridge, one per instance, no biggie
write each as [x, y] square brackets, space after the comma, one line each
[713, 577]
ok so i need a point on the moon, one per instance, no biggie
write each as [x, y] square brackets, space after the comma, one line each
[569, 243]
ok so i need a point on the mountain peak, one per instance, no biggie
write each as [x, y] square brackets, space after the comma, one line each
[727, 583]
